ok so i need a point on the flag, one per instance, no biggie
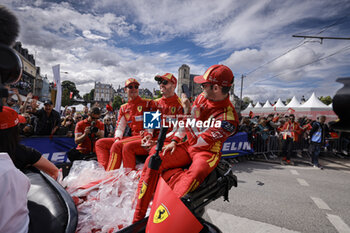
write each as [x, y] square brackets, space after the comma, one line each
[274, 108]
[169, 214]
[71, 95]
[251, 114]
[109, 108]
[291, 111]
[57, 80]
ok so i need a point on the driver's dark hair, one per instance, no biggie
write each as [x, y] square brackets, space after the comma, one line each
[95, 110]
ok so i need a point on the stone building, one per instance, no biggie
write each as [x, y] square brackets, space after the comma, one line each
[192, 89]
[103, 92]
[185, 83]
[29, 74]
[31, 80]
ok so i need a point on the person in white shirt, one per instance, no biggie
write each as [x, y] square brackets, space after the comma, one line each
[13, 195]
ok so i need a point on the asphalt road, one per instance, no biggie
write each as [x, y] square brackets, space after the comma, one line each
[275, 198]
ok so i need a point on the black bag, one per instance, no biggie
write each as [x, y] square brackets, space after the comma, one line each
[73, 154]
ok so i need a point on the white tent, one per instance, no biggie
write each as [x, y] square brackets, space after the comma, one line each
[293, 103]
[314, 102]
[250, 105]
[258, 105]
[267, 104]
[78, 107]
[279, 104]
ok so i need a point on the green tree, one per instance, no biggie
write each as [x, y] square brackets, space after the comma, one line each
[117, 102]
[288, 100]
[67, 88]
[86, 97]
[326, 100]
[245, 103]
[89, 97]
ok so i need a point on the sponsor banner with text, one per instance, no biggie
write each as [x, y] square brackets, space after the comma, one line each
[54, 149]
[236, 145]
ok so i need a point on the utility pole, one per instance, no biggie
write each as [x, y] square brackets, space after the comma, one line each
[240, 104]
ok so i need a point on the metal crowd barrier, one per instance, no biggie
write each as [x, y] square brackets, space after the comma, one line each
[270, 148]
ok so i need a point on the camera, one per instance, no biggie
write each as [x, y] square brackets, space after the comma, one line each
[93, 128]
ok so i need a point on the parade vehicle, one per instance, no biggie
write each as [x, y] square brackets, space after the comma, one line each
[52, 209]
[47, 197]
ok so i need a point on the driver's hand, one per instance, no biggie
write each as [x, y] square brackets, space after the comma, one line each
[169, 147]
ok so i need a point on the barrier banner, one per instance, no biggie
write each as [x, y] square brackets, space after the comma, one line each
[236, 145]
[54, 149]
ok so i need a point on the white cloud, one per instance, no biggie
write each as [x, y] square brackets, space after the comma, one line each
[86, 38]
[243, 60]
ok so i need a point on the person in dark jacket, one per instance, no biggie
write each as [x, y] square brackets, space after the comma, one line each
[48, 119]
[318, 134]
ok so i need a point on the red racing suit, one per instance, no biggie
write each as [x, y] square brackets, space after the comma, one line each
[169, 108]
[201, 152]
[108, 150]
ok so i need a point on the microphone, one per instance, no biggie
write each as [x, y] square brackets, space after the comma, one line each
[9, 26]
[10, 62]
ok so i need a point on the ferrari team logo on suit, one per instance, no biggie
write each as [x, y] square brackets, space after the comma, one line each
[143, 190]
[198, 113]
[173, 109]
[139, 108]
[161, 214]
[127, 116]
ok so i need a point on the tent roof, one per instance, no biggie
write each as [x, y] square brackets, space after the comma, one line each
[314, 102]
[258, 105]
[293, 103]
[267, 104]
[250, 105]
[279, 103]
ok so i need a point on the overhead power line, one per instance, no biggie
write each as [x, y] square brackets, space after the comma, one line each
[323, 37]
[339, 21]
[317, 60]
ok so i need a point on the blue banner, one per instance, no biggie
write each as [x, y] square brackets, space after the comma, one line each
[54, 149]
[236, 145]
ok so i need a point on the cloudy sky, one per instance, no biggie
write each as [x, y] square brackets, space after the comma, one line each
[110, 41]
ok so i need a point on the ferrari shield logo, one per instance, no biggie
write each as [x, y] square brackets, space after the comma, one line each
[161, 214]
[143, 190]
[198, 113]
[139, 108]
[127, 116]
[173, 109]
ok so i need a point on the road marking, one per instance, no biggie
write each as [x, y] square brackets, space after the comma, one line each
[294, 172]
[338, 223]
[320, 203]
[302, 182]
[229, 223]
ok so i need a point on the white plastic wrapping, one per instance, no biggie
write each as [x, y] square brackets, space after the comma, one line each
[104, 199]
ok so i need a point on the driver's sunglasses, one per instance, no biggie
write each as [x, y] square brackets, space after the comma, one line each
[95, 118]
[204, 85]
[164, 82]
[131, 87]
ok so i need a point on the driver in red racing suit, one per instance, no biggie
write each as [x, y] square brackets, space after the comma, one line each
[202, 150]
[170, 107]
[109, 150]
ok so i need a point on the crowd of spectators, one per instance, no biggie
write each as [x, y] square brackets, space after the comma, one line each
[44, 120]
[285, 136]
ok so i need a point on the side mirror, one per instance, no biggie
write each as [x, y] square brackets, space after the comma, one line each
[341, 102]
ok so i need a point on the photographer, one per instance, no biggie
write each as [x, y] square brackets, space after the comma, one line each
[88, 131]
